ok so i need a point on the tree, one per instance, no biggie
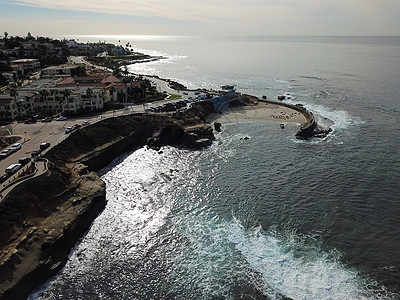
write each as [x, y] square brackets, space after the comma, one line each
[125, 71]
[112, 91]
[66, 94]
[5, 67]
[5, 35]
[90, 93]
[14, 93]
[44, 93]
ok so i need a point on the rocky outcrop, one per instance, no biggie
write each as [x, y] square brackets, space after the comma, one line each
[217, 126]
[306, 130]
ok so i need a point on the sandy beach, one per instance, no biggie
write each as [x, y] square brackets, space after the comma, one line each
[266, 112]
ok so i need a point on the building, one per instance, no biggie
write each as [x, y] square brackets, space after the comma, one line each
[115, 90]
[73, 95]
[61, 71]
[8, 107]
[25, 65]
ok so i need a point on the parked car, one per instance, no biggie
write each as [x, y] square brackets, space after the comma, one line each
[86, 123]
[11, 169]
[5, 153]
[24, 160]
[61, 118]
[44, 146]
[68, 129]
[15, 147]
[36, 152]
[30, 121]
[4, 177]
[47, 119]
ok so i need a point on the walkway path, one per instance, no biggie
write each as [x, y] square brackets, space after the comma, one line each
[14, 180]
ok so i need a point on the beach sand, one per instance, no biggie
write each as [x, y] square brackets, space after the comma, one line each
[266, 112]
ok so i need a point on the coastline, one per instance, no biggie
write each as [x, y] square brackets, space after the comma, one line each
[36, 245]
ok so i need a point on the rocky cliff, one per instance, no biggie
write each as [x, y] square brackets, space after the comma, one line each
[43, 218]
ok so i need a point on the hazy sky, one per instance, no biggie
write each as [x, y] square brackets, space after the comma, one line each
[179, 17]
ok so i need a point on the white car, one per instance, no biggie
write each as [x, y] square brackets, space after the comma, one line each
[68, 129]
[5, 153]
[61, 118]
[11, 169]
[15, 147]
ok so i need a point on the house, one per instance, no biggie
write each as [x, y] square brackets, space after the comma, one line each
[8, 107]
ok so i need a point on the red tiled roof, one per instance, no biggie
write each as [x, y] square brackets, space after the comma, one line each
[67, 81]
[116, 85]
[111, 79]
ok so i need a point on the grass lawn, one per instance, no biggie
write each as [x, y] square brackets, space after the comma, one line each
[173, 97]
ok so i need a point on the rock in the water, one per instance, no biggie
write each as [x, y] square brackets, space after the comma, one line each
[217, 126]
[281, 97]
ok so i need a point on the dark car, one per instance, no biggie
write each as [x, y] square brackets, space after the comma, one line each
[36, 152]
[4, 177]
[24, 160]
[44, 146]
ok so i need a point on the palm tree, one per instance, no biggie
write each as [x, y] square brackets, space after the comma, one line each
[90, 93]
[14, 93]
[66, 94]
[5, 35]
[112, 91]
[44, 93]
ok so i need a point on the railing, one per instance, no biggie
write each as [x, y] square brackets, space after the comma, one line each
[15, 179]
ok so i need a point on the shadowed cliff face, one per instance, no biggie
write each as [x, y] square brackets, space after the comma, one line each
[42, 219]
[97, 145]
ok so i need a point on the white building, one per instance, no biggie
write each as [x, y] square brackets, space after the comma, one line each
[25, 65]
[60, 71]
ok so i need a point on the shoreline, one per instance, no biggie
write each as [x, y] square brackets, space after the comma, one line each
[38, 237]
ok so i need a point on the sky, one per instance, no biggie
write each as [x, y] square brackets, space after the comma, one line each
[200, 17]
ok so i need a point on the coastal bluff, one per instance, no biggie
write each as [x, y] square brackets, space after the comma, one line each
[43, 218]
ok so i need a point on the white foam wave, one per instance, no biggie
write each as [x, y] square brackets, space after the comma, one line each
[296, 271]
[293, 267]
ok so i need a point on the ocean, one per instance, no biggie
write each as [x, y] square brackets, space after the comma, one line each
[269, 217]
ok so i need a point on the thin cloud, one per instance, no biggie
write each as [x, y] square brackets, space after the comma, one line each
[245, 16]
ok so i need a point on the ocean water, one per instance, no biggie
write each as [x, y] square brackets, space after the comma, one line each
[269, 217]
